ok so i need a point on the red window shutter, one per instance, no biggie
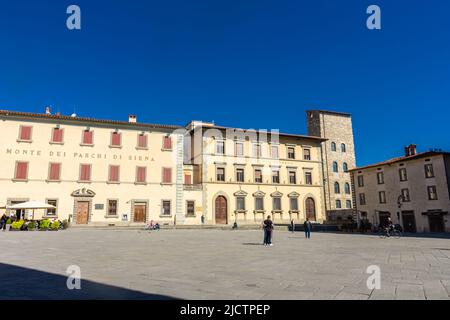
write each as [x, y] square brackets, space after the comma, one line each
[142, 141]
[187, 179]
[85, 174]
[115, 139]
[114, 173]
[22, 170]
[141, 174]
[55, 170]
[57, 135]
[167, 143]
[25, 133]
[167, 175]
[87, 137]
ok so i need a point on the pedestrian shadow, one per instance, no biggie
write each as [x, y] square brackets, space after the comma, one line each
[252, 244]
[19, 283]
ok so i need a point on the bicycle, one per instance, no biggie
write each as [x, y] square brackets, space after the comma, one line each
[387, 233]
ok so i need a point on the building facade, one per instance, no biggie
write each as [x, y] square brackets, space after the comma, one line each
[412, 190]
[104, 172]
[338, 154]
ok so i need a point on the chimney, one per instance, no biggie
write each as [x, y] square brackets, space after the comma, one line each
[132, 118]
[48, 110]
[410, 150]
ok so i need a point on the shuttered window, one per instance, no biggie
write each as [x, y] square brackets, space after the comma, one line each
[57, 135]
[167, 175]
[21, 170]
[141, 174]
[114, 173]
[25, 133]
[85, 172]
[54, 172]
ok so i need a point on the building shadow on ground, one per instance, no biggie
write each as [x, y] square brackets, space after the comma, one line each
[427, 235]
[19, 283]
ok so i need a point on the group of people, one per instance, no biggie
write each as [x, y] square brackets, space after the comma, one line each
[268, 230]
[153, 225]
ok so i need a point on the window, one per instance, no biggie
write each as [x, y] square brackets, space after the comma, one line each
[142, 142]
[343, 148]
[429, 173]
[348, 204]
[141, 174]
[275, 176]
[308, 178]
[333, 146]
[240, 203]
[337, 188]
[347, 188]
[166, 208]
[345, 167]
[276, 202]
[167, 175]
[257, 150]
[112, 207]
[259, 203]
[258, 176]
[25, 133]
[362, 199]
[335, 166]
[54, 171]
[187, 178]
[291, 152]
[114, 172]
[220, 147]
[293, 202]
[87, 138]
[338, 204]
[292, 177]
[220, 174]
[116, 139]
[167, 143]
[239, 149]
[382, 196]
[405, 195]
[240, 175]
[380, 177]
[432, 194]
[52, 211]
[57, 135]
[85, 172]
[402, 174]
[190, 208]
[360, 181]
[274, 152]
[306, 154]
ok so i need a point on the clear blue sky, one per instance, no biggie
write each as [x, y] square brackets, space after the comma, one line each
[249, 63]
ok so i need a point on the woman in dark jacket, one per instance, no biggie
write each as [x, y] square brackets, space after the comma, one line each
[268, 228]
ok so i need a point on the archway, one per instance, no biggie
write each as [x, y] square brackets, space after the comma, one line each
[310, 209]
[221, 210]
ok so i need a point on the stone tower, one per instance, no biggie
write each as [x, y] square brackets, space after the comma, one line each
[338, 156]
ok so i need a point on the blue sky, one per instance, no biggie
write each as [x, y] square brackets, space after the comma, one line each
[249, 63]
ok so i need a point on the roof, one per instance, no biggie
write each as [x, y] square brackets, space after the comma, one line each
[301, 136]
[402, 159]
[84, 120]
[336, 113]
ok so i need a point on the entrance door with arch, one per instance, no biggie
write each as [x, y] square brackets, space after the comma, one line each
[310, 209]
[221, 210]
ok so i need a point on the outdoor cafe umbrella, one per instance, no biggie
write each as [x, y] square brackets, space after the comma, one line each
[32, 205]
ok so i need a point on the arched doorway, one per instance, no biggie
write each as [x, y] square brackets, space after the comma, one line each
[310, 209]
[221, 210]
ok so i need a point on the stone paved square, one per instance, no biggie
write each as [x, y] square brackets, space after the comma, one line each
[220, 264]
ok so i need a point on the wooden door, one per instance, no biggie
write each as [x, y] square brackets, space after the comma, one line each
[310, 209]
[82, 212]
[221, 210]
[139, 213]
[436, 223]
[409, 222]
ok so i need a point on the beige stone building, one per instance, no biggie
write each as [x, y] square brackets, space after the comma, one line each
[413, 190]
[338, 154]
[104, 172]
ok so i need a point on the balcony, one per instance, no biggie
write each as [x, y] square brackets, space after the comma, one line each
[192, 187]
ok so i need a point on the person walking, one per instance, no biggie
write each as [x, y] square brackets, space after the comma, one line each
[292, 226]
[3, 221]
[308, 227]
[268, 228]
